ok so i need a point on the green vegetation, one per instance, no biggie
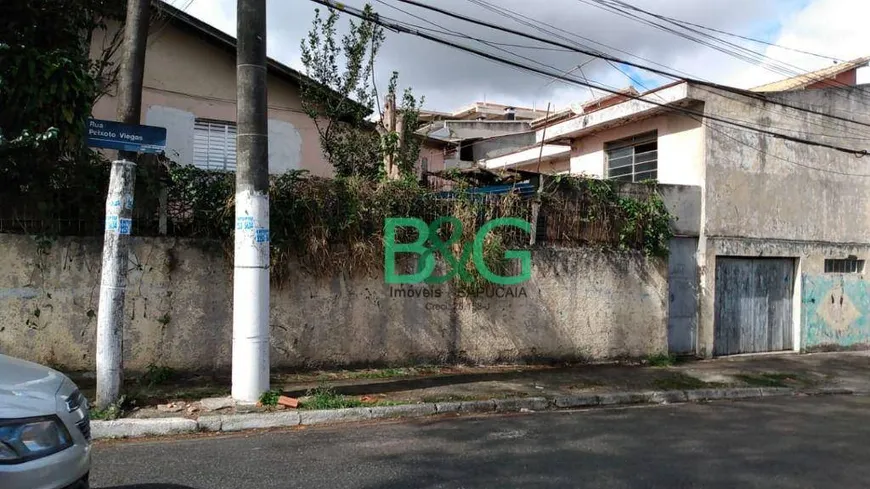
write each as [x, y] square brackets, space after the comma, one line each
[157, 375]
[593, 211]
[661, 360]
[775, 379]
[325, 397]
[113, 411]
[681, 381]
[339, 96]
[48, 85]
[270, 397]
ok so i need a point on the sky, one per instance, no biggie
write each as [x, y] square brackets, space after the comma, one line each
[451, 79]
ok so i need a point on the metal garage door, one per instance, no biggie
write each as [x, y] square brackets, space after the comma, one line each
[753, 305]
[683, 292]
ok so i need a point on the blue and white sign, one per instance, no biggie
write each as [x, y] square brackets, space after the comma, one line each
[261, 235]
[126, 226]
[111, 223]
[245, 222]
[126, 137]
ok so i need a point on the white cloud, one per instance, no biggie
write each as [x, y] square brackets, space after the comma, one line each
[835, 28]
[450, 79]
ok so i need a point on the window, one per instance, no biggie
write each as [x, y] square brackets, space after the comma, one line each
[634, 159]
[214, 145]
[849, 265]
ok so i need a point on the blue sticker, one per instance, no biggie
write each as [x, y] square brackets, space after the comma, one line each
[128, 202]
[126, 226]
[111, 223]
[115, 203]
[245, 222]
[262, 236]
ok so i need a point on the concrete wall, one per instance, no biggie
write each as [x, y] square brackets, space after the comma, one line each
[455, 130]
[768, 197]
[549, 166]
[835, 306]
[680, 147]
[186, 78]
[579, 304]
[760, 186]
[502, 145]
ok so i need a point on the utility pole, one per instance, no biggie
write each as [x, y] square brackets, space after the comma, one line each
[392, 123]
[251, 267]
[119, 212]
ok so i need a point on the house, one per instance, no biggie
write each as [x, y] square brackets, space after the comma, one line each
[190, 89]
[551, 158]
[776, 259]
[478, 131]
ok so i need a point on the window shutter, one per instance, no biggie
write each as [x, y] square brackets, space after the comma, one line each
[214, 145]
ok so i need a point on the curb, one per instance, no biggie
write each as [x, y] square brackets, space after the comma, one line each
[131, 428]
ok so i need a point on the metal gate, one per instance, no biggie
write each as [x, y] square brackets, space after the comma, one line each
[753, 305]
[683, 295]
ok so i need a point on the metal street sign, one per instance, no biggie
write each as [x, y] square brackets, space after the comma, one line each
[126, 137]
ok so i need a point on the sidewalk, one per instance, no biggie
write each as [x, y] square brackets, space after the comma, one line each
[178, 397]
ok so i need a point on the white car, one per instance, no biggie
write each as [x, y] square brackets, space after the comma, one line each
[44, 428]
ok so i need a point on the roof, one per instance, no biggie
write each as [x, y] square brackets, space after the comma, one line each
[217, 37]
[486, 110]
[221, 39]
[803, 81]
[586, 107]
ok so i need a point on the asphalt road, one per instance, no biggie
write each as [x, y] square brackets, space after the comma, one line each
[779, 443]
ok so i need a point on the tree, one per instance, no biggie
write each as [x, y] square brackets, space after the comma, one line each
[48, 85]
[340, 100]
[47, 79]
[404, 143]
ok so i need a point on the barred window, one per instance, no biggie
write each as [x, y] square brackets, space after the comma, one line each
[633, 159]
[848, 265]
[214, 145]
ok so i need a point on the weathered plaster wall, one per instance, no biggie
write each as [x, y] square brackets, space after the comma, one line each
[835, 306]
[186, 78]
[768, 197]
[680, 148]
[502, 145]
[818, 324]
[550, 166]
[579, 304]
[761, 186]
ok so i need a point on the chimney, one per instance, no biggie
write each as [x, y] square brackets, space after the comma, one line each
[510, 114]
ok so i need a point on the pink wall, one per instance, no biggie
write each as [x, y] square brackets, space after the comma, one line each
[848, 78]
[185, 72]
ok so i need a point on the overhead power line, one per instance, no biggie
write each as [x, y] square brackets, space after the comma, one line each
[403, 29]
[560, 33]
[713, 127]
[737, 51]
[751, 39]
[608, 57]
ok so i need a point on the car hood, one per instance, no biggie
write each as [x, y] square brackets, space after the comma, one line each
[27, 389]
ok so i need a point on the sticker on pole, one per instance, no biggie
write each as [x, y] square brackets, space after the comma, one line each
[261, 236]
[112, 223]
[245, 223]
[126, 225]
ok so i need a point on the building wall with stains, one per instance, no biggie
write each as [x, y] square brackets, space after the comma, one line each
[835, 306]
[187, 78]
[768, 197]
[580, 304]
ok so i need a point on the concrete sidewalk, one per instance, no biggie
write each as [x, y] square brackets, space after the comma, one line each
[380, 393]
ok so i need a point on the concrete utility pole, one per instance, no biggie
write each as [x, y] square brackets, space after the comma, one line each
[251, 271]
[119, 212]
[392, 122]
